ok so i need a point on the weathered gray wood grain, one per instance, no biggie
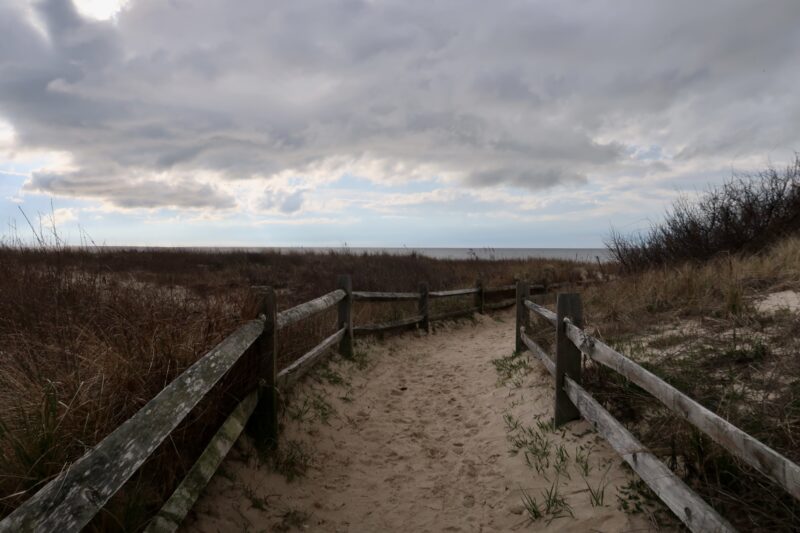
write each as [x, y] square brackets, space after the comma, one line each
[289, 375]
[752, 451]
[542, 311]
[384, 296]
[455, 292]
[68, 502]
[174, 511]
[690, 508]
[310, 308]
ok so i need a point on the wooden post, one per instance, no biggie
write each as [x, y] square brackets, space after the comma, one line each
[345, 319]
[522, 313]
[422, 308]
[264, 422]
[568, 356]
[480, 296]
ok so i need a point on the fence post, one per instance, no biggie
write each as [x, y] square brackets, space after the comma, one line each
[480, 296]
[264, 421]
[345, 319]
[422, 308]
[522, 313]
[568, 356]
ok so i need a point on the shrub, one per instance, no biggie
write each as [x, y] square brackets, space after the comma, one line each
[746, 214]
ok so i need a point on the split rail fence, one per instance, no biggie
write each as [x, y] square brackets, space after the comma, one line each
[572, 401]
[72, 499]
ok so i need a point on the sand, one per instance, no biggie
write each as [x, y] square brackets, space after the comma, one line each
[777, 301]
[417, 441]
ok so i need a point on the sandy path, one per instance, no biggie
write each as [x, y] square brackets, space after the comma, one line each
[417, 441]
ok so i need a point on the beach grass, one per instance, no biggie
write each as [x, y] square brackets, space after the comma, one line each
[88, 335]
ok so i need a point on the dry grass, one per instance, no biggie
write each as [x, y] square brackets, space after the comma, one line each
[88, 336]
[696, 326]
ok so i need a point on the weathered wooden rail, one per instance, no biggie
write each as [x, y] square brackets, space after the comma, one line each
[423, 297]
[73, 498]
[70, 500]
[573, 401]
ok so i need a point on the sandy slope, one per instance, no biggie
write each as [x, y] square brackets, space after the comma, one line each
[417, 444]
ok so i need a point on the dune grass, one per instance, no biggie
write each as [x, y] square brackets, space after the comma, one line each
[89, 335]
[697, 325]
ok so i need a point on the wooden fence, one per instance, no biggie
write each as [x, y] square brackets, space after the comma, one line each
[70, 500]
[73, 498]
[573, 401]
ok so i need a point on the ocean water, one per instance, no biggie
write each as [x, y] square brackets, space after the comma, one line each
[575, 254]
[579, 254]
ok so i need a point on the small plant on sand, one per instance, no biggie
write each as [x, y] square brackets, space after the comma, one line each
[635, 497]
[327, 374]
[258, 502]
[562, 461]
[555, 506]
[597, 494]
[300, 412]
[322, 407]
[348, 396]
[582, 460]
[360, 358]
[531, 506]
[512, 368]
[512, 424]
[545, 426]
[314, 406]
[538, 462]
[291, 459]
[535, 445]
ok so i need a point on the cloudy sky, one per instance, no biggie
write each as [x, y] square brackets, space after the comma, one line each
[384, 123]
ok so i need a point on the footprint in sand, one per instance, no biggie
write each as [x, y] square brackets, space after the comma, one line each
[431, 454]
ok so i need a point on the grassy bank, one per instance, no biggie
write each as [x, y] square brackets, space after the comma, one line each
[701, 326]
[88, 336]
[691, 308]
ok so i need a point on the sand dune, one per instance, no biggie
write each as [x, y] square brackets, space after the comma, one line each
[417, 441]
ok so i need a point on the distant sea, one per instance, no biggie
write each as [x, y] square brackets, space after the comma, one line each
[576, 254]
[579, 254]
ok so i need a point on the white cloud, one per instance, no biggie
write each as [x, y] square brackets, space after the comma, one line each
[63, 215]
[505, 106]
[100, 9]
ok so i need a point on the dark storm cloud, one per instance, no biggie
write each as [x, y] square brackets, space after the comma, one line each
[528, 94]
